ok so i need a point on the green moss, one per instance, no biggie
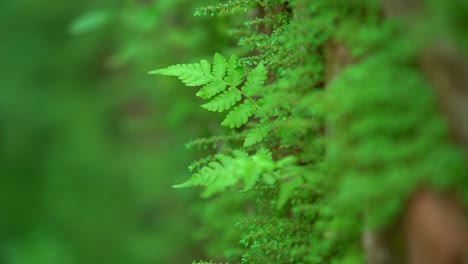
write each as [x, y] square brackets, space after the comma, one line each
[346, 155]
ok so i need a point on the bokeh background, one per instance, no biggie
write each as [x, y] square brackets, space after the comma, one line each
[90, 144]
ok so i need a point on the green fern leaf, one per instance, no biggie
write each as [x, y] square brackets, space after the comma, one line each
[239, 115]
[257, 134]
[203, 177]
[224, 171]
[215, 80]
[221, 174]
[219, 66]
[206, 67]
[211, 89]
[255, 80]
[190, 74]
[223, 101]
[235, 74]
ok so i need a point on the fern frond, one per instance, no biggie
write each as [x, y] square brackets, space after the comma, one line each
[218, 175]
[225, 171]
[220, 86]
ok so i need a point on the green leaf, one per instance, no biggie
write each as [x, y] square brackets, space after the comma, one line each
[235, 74]
[257, 134]
[255, 81]
[211, 89]
[214, 88]
[223, 101]
[206, 67]
[219, 66]
[190, 74]
[218, 175]
[238, 116]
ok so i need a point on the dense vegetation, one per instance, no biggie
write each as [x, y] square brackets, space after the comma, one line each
[319, 155]
[319, 121]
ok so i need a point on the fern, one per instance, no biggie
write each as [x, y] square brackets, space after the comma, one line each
[220, 85]
[226, 171]
[223, 171]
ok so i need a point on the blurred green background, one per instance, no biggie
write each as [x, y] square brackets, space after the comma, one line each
[91, 144]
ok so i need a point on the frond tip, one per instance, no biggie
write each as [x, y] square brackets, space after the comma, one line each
[190, 74]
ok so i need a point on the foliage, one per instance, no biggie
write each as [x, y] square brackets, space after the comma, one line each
[84, 166]
[322, 159]
[220, 85]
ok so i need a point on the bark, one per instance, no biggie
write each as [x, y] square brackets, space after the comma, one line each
[337, 57]
[436, 230]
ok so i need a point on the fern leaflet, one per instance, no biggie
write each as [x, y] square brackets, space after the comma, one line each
[219, 66]
[211, 89]
[223, 101]
[239, 115]
[257, 134]
[255, 81]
